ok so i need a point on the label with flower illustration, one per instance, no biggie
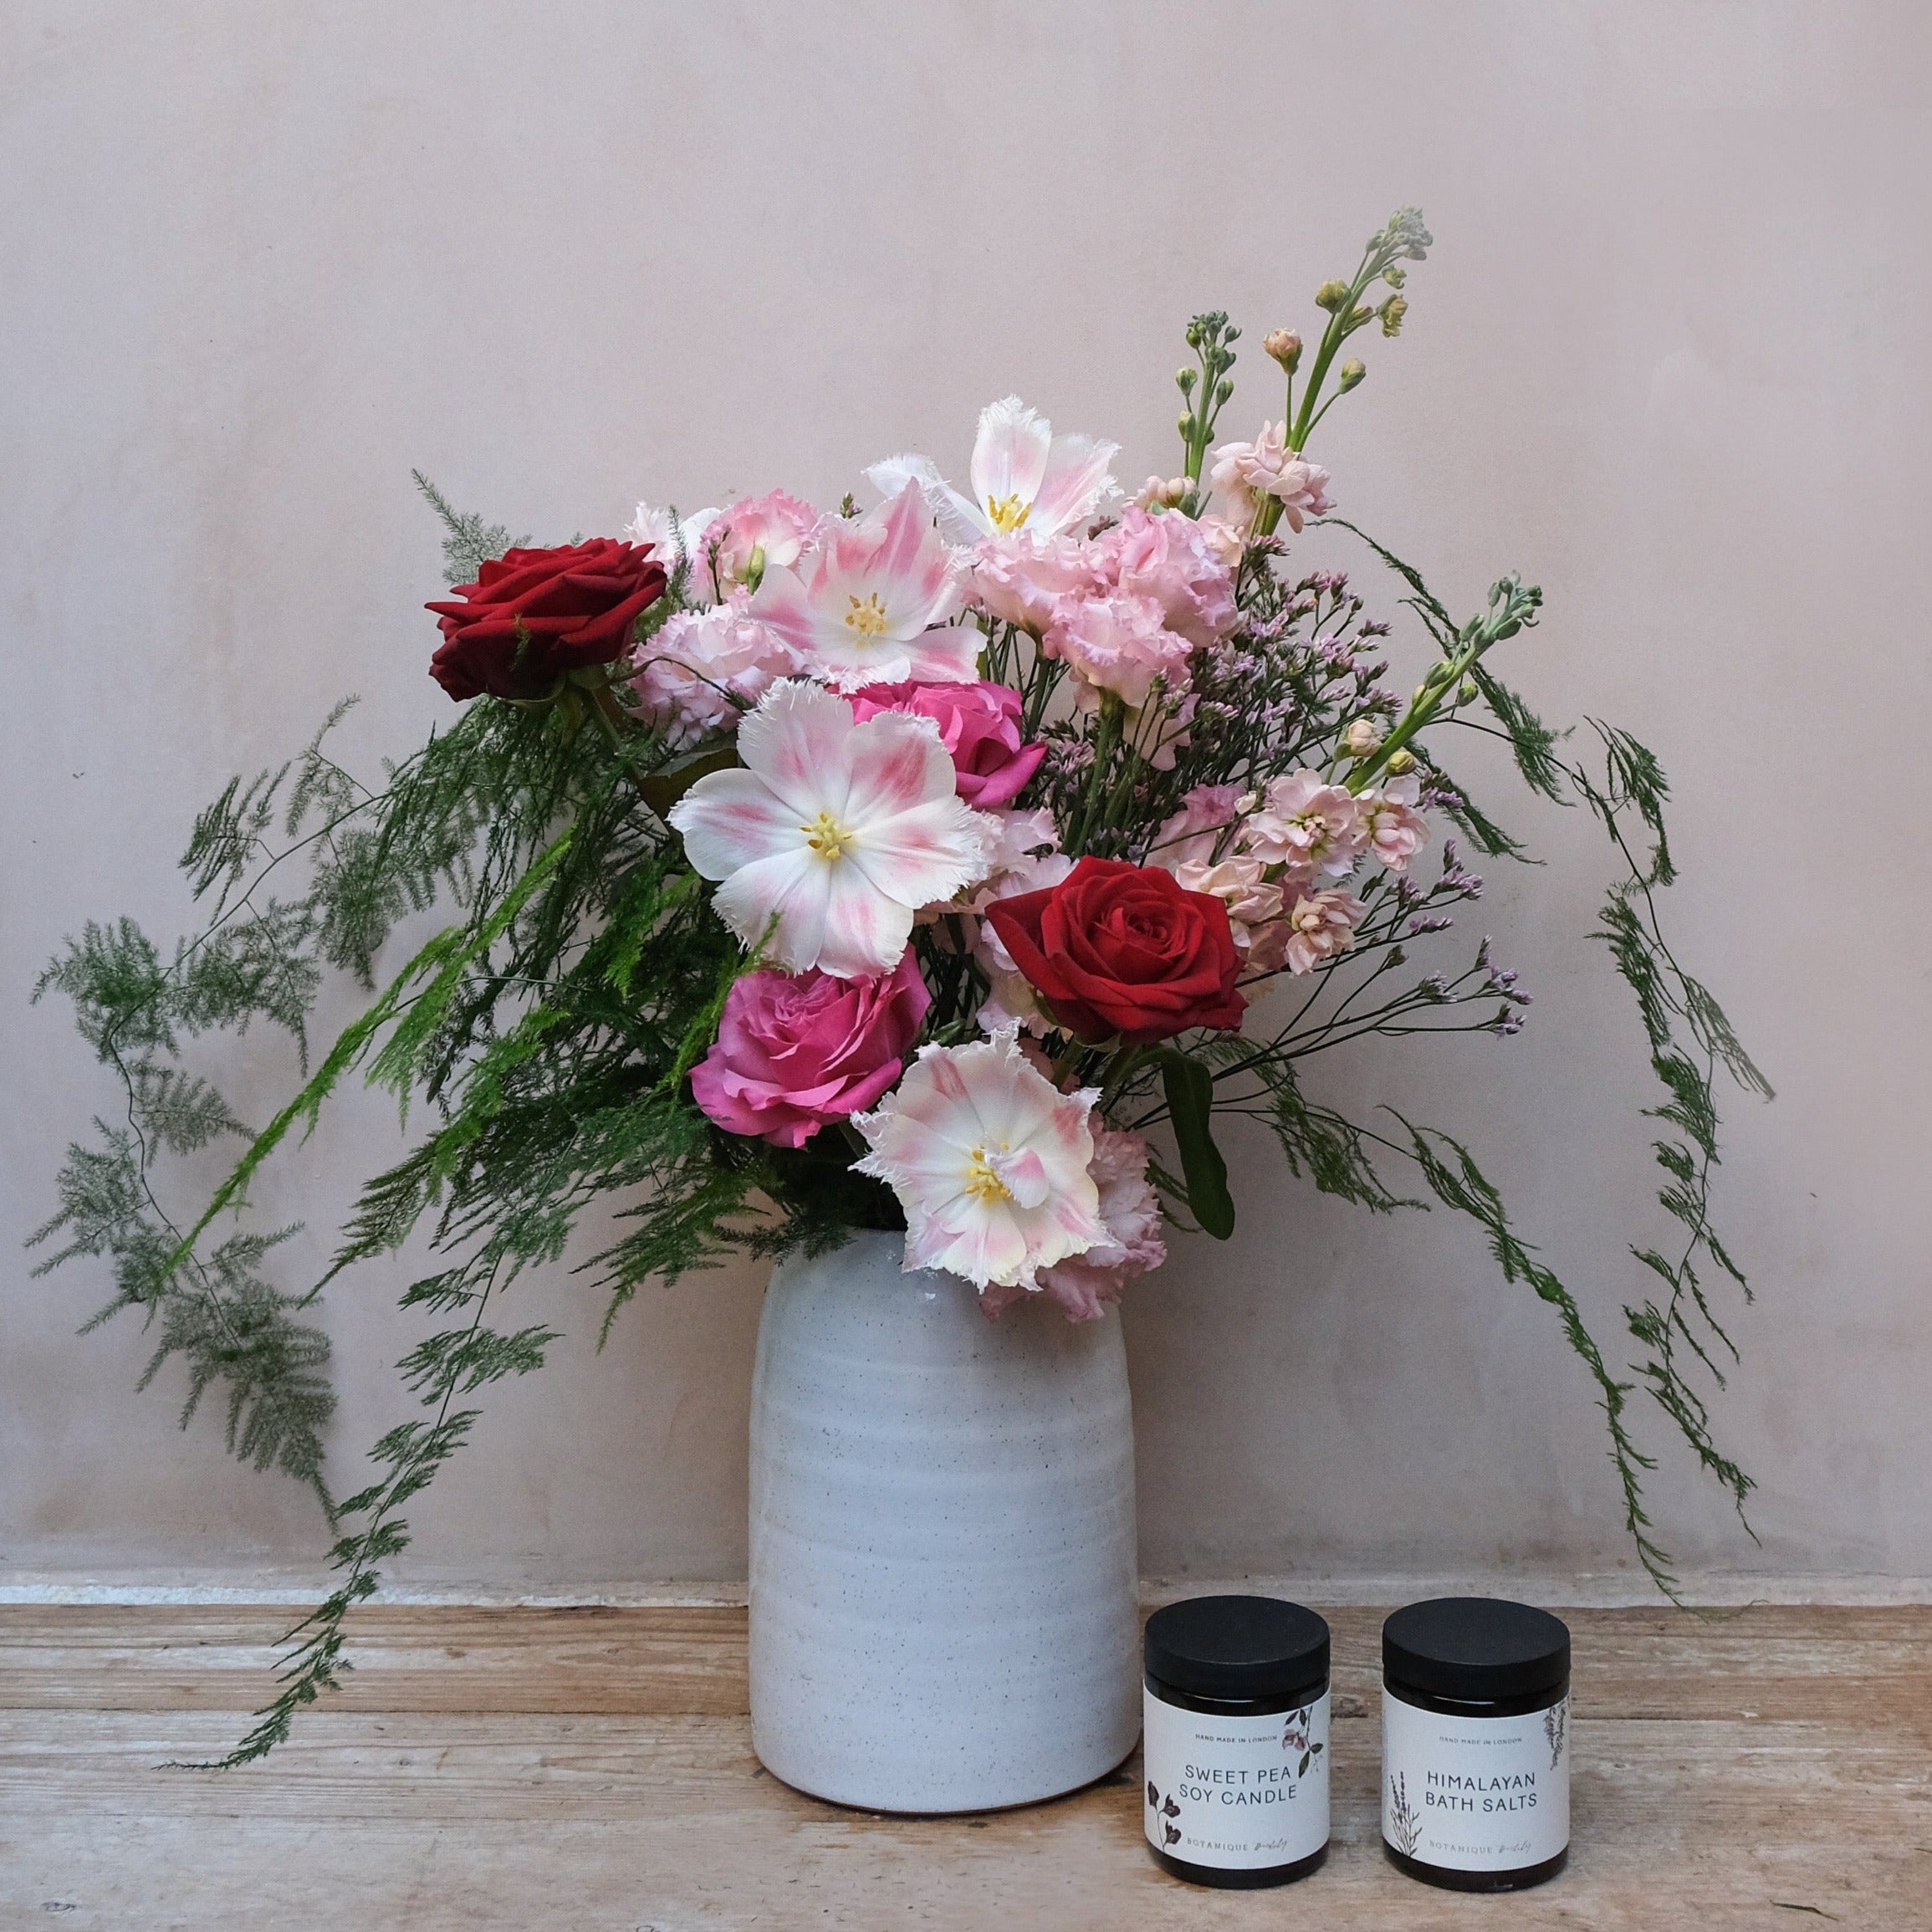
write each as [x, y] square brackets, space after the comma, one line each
[1240, 1793]
[1475, 1794]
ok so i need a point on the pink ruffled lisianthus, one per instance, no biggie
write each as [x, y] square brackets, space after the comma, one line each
[1117, 644]
[794, 1054]
[979, 725]
[1170, 559]
[703, 668]
[1018, 579]
[1085, 1285]
[756, 535]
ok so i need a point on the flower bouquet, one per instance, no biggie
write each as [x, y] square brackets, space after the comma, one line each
[947, 871]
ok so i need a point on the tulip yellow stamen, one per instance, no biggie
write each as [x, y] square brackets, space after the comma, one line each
[867, 619]
[1008, 514]
[982, 1183]
[827, 837]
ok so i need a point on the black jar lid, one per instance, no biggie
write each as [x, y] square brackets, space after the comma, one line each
[1476, 1649]
[1237, 1646]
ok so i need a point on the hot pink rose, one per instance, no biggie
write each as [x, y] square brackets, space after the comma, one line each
[1170, 559]
[796, 1052]
[979, 726]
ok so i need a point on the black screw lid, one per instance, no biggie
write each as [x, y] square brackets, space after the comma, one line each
[1238, 1647]
[1476, 1649]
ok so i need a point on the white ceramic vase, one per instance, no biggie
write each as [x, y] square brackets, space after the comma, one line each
[943, 1613]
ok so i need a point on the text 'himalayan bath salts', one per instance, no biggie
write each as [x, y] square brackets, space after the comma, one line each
[1475, 1760]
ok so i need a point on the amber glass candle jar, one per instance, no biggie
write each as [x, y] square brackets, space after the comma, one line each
[1236, 1717]
[1475, 1761]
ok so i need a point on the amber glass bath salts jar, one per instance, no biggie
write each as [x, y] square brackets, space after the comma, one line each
[1237, 1739]
[1475, 1760]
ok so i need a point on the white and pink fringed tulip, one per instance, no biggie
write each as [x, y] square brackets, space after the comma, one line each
[861, 608]
[833, 833]
[990, 1160]
[1025, 478]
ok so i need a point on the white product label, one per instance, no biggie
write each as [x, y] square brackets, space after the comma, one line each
[1475, 1794]
[1239, 1793]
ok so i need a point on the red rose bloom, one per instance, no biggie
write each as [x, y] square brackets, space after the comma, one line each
[532, 615]
[1125, 949]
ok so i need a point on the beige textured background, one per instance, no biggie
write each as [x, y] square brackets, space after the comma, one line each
[1669, 358]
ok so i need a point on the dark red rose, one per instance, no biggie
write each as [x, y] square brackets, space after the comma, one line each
[1125, 949]
[532, 615]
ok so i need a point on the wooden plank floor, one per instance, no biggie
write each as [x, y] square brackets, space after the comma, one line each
[590, 1769]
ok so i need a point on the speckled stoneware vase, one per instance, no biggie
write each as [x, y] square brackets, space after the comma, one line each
[943, 1567]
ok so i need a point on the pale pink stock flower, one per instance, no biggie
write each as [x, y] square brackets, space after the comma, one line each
[1306, 825]
[1023, 477]
[1321, 925]
[1245, 472]
[990, 1160]
[1117, 644]
[1084, 1284]
[1018, 579]
[1168, 558]
[1192, 834]
[672, 537]
[833, 833]
[756, 535]
[701, 669]
[859, 609]
[1240, 885]
[1392, 830]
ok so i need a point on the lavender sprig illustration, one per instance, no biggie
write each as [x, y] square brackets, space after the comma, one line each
[1407, 1826]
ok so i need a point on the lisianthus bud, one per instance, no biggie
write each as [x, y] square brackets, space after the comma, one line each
[1285, 346]
[1362, 739]
[1352, 371]
[1392, 312]
[1401, 764]
[1331, 295]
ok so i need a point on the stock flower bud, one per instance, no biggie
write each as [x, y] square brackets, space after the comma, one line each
[1186, 378]
[1352, 371]
[1392, 312]
[1466, 691]
[1401, 764]
[1362, 739]
[1285, 346]
[1331, 295]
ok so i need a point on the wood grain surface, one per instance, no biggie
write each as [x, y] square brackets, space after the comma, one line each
[590, 1769]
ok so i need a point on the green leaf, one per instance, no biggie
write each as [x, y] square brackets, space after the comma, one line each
[1190, 1093]
[662, 789]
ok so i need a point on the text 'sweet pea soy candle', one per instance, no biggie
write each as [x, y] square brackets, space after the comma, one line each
[1236, 1718]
